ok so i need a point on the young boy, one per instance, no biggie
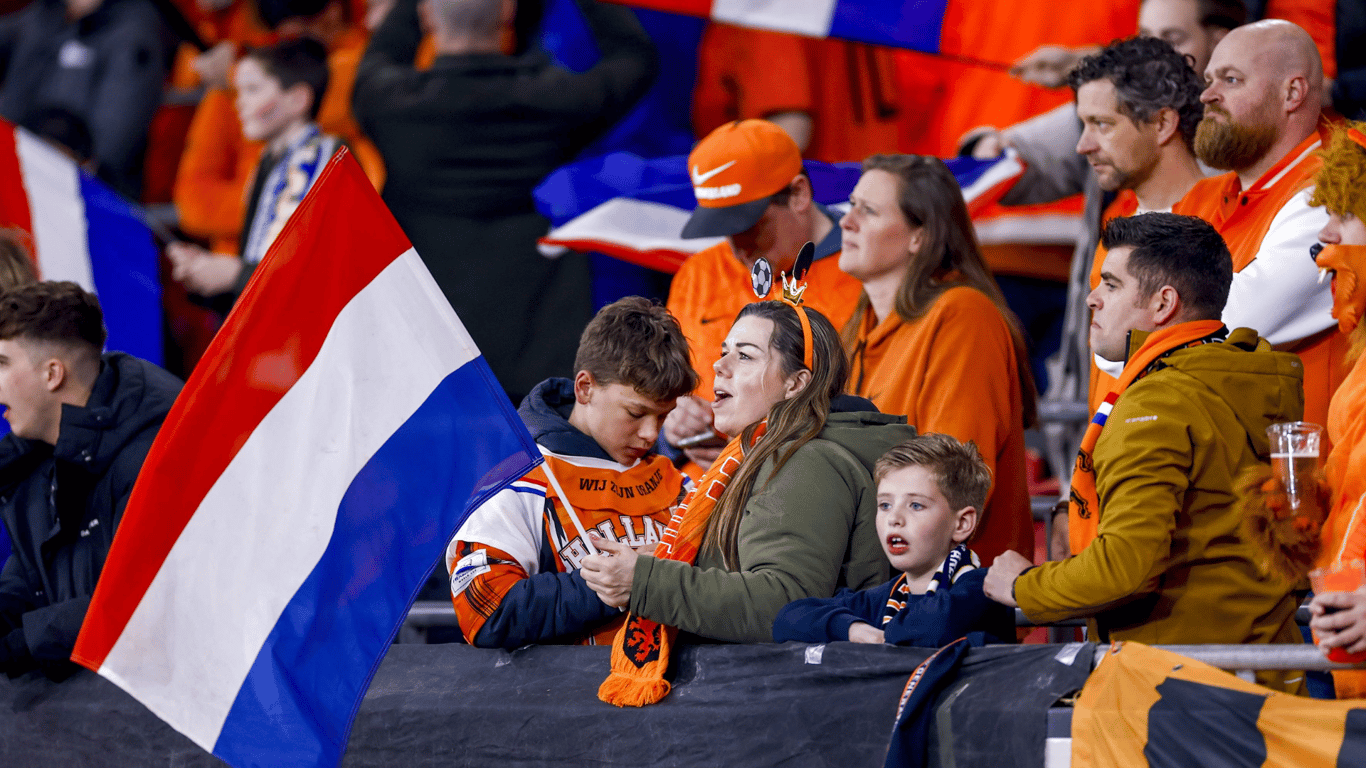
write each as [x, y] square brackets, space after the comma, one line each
[929, 491]
[514, 563]
[278, 91]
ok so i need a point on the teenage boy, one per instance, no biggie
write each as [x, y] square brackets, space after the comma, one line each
[929, 491]
[278, 91]
[83, 423]
[514, 564]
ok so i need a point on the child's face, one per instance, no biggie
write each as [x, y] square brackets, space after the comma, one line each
[621, 420]
[263, 107]
[915, 523]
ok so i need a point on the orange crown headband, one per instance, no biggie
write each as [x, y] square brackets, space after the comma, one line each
[793, 289]
[1357, 136]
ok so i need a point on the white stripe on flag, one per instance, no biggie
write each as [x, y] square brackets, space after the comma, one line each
[803, 17]
[638, 224]
[266, 522]
[1045, 228]
[56, 209]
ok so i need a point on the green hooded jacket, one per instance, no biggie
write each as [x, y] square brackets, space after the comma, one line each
[1169, 565]
[807, 531]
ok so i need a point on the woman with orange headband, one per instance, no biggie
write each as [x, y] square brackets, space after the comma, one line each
[787, 511]
[932, 337]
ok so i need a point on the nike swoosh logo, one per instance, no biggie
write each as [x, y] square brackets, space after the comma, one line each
[705, 320]
[698, 179]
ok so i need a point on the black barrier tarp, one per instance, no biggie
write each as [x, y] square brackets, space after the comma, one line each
[450, 705]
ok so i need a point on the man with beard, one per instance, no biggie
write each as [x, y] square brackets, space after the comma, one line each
[1263, 95]
[1139, 104]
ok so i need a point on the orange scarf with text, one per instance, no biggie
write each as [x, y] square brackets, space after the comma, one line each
[1083, 508]
[640, 652]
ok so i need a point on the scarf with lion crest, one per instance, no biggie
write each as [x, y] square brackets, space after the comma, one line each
[1083, 507]
[640, 652]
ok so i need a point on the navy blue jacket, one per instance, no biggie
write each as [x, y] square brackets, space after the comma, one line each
[930, 620]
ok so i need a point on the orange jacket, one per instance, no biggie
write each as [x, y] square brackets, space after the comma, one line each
[954, 371]
[216, 169]
[1244, 218]
[713, 286]
[848, 89]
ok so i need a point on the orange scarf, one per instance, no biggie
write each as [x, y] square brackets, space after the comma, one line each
[1083, 508]
[640, 652]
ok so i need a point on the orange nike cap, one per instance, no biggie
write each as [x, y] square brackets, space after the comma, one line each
[734, 171]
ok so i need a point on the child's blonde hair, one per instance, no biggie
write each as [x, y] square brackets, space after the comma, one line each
[957, 468]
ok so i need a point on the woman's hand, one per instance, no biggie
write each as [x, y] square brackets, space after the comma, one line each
[692, 416]
[610, 572]
[860, 632]
[1339, 620]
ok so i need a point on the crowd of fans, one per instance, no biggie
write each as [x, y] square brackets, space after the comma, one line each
[756, 462]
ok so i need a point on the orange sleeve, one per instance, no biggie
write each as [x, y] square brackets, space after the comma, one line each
[477, 602]
[970, 375]
[209, 188]
[1319, 19]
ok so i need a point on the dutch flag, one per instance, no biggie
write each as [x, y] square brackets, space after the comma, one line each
[326, 448]
[634, 208]
[86, 233]
[916, 24]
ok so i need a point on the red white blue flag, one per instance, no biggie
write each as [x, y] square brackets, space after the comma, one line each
[634, 208]
[86, 233]
[914, 24]
[328, 445]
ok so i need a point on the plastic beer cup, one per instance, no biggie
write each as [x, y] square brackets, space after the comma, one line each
[1295, 460]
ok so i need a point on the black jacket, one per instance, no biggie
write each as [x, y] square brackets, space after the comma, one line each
[107, 69]
[62, 503]
[465, 143]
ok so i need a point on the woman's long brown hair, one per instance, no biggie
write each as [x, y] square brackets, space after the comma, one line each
[929, 197]
[791, 423]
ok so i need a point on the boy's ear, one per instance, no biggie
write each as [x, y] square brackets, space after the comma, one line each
[964, 524]
[584, 384]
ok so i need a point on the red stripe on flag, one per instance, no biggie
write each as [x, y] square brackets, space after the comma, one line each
[338, 240]
[686, 7]
[14, 210]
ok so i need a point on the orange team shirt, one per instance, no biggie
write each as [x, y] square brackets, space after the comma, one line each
[216, 169]
[1244, 217]
[954, 371]
[1124, 204]
[526, 529]
[713, 286]
[850, 90]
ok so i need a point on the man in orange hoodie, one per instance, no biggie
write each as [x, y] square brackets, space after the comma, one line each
[752, 190]
[1262, 119]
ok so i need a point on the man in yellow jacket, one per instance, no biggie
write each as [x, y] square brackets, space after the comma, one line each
[1153, 523]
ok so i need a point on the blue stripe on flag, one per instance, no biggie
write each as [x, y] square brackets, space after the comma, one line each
[915, 24]
[123, 262]
[392, 524]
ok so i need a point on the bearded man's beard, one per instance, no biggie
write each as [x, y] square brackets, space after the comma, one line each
[1229, 145]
